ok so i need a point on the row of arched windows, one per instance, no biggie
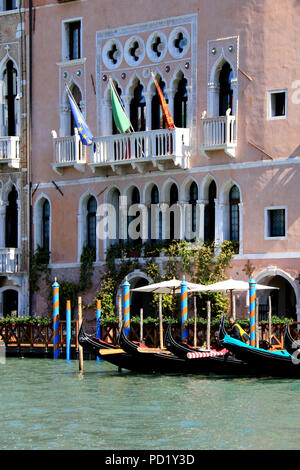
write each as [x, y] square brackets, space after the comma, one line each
[137, 108]
[156, 230]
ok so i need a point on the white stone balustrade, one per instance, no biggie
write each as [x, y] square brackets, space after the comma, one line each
[10, 260]
[138, 148]
[10, 151]
[219, 133]
[68, 151]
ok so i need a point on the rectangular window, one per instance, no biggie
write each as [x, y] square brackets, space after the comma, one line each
[277, 106]
[275, 223]
[71, 40]
[10, 4]
[74, 40]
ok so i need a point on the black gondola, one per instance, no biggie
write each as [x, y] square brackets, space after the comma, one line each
[264, 362]
[94, 345]
[154, 360]
[214, 361]
[147, 363]
[290, 344]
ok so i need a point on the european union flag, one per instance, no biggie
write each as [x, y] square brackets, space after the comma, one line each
[83, 129]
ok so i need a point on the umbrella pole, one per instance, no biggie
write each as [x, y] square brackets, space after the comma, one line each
[160, 322]
[231, 302]
[195, 321]
[208, 324]
[173, 302]
[269, 318]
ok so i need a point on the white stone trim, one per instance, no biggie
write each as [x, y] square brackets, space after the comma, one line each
[266, 223]
[270, 117]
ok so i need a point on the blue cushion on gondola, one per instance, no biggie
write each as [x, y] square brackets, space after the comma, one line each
[235, 342]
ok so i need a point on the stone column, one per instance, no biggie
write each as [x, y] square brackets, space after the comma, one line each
[2, 223]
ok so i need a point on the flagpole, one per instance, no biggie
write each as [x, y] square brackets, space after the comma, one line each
[160, 99]
[123, 108]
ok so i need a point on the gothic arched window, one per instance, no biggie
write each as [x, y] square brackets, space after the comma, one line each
[157, 119]
[226, 92]
[11, 228]
[138, 109]
[193, 202]
[77, 97]
[209, 213]
[180, 104]
[10, 93]
[46, 225]
[91, 222]
[173, 200]
[234, 200]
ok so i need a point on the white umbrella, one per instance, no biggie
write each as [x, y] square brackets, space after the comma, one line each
[172, 286]
[232, 285]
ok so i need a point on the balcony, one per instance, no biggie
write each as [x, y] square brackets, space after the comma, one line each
[68, 152]
[10, 260]
[10, 151]
[218, 133]
[141, 151]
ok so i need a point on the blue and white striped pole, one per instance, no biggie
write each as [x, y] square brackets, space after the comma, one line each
[126, 307]
[68, 326]
[184, 310]
[55, 291]
[98, 323]
[252, 295]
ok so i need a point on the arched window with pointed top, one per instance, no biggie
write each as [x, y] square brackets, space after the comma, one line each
[173, 200]
[234, 200]
[154, 230]
[209, 213]
[91, 222]
[226, 91]
[46, 225]
[10, 94]
[77, 97]
[193, 198]
[138, 109]
[11, 220]
[115, 130]
[135, 199]
[180, 103]
[157, 119]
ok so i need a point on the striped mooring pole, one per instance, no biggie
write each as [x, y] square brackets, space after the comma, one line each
[55, 291]
[98, 322]
[68, 325]
[184, 310]
[252, 295]
[126, 306]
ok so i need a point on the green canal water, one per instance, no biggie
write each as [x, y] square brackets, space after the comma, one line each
[47, 404]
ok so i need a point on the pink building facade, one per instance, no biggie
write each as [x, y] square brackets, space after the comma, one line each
[230, 74]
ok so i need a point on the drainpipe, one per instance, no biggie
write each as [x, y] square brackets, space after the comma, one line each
[29, 158]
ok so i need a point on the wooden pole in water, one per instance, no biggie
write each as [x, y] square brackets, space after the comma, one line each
[161, 344]
[256, 324]
[98, 318]
[68, 325]
[80, 349]
[208, 324]
[270, 319]
[141, 324]
[195, 321]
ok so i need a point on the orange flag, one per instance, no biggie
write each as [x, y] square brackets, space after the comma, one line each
[167, 116]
